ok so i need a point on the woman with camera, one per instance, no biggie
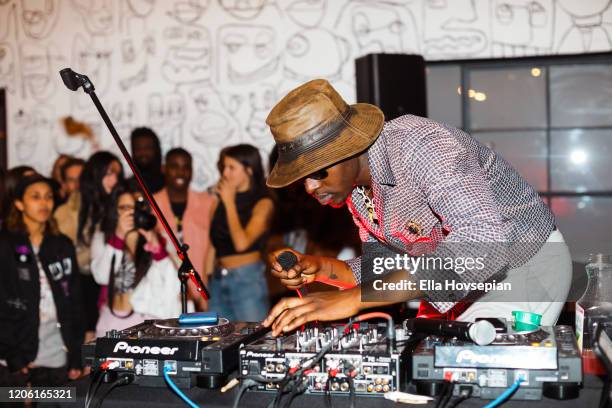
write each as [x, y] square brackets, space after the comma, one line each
[239, 225]
[130, 257]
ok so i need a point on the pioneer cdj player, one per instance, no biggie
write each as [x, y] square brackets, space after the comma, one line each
[545, 361]
[201, 355]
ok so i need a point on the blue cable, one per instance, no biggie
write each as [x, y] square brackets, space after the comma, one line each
[497, 401]
[177, 390]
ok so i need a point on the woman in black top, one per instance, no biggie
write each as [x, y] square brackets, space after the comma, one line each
[41, 336]
[240, 221]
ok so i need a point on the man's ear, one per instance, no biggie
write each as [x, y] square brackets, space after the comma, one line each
[19, 205]
[249, 171]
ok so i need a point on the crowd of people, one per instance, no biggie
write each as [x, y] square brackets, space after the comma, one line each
[83, 254]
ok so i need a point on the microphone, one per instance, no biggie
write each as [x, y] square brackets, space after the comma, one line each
[481, 332]
[74, 81]
[287, 260]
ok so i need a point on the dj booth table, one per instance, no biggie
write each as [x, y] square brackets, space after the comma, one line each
[136, 396]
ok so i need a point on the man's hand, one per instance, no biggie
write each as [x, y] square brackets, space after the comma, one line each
[292, 312]
[303, 272]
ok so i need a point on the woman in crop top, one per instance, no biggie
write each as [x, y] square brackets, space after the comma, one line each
[240, 221]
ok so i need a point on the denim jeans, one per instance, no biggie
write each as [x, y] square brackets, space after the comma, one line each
[240, 294]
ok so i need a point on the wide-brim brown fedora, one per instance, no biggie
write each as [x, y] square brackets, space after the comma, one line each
[315, 128]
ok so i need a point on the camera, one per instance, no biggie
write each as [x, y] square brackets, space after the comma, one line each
[142, 217]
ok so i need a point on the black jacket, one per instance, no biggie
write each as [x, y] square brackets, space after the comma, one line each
[20, 297]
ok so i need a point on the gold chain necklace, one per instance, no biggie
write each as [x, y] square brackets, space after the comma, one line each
[369, 203]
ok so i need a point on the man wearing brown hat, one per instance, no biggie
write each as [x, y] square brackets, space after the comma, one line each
[411, 184]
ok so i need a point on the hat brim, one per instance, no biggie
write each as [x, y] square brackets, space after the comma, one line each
[361, 130]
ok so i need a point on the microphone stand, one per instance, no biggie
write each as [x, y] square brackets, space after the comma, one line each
[186, 271]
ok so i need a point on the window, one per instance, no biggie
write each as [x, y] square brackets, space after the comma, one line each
[550, 118]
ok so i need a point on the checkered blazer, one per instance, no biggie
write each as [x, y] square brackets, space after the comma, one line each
[434, 182]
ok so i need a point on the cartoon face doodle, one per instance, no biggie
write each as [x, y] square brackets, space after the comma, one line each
[307, 13]
[166, 114]
[212, 124]
[247, 53]
[453, 31]
[243, 9]
[30, 128]
[39, 17]
[188, 55]
[377, 29]
[523, 22]
[94, 56]
[261, 100]
[37, 70]
[188, 11]
[136, 48]
[317, 44]
[98, 15]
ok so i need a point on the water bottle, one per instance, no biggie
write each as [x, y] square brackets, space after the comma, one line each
[594, 305]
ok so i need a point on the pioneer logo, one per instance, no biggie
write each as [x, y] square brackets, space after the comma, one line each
[468, 356]
[126, 348]
[254, 354]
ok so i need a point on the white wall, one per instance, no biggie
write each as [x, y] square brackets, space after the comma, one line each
[204, 73]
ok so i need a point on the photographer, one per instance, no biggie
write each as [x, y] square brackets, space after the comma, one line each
[130, 257]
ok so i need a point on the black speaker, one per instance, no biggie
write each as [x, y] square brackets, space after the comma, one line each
[393, 82]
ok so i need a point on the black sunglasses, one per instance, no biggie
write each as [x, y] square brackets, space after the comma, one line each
[318, 175]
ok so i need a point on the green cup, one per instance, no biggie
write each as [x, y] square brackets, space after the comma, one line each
[526, 321]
